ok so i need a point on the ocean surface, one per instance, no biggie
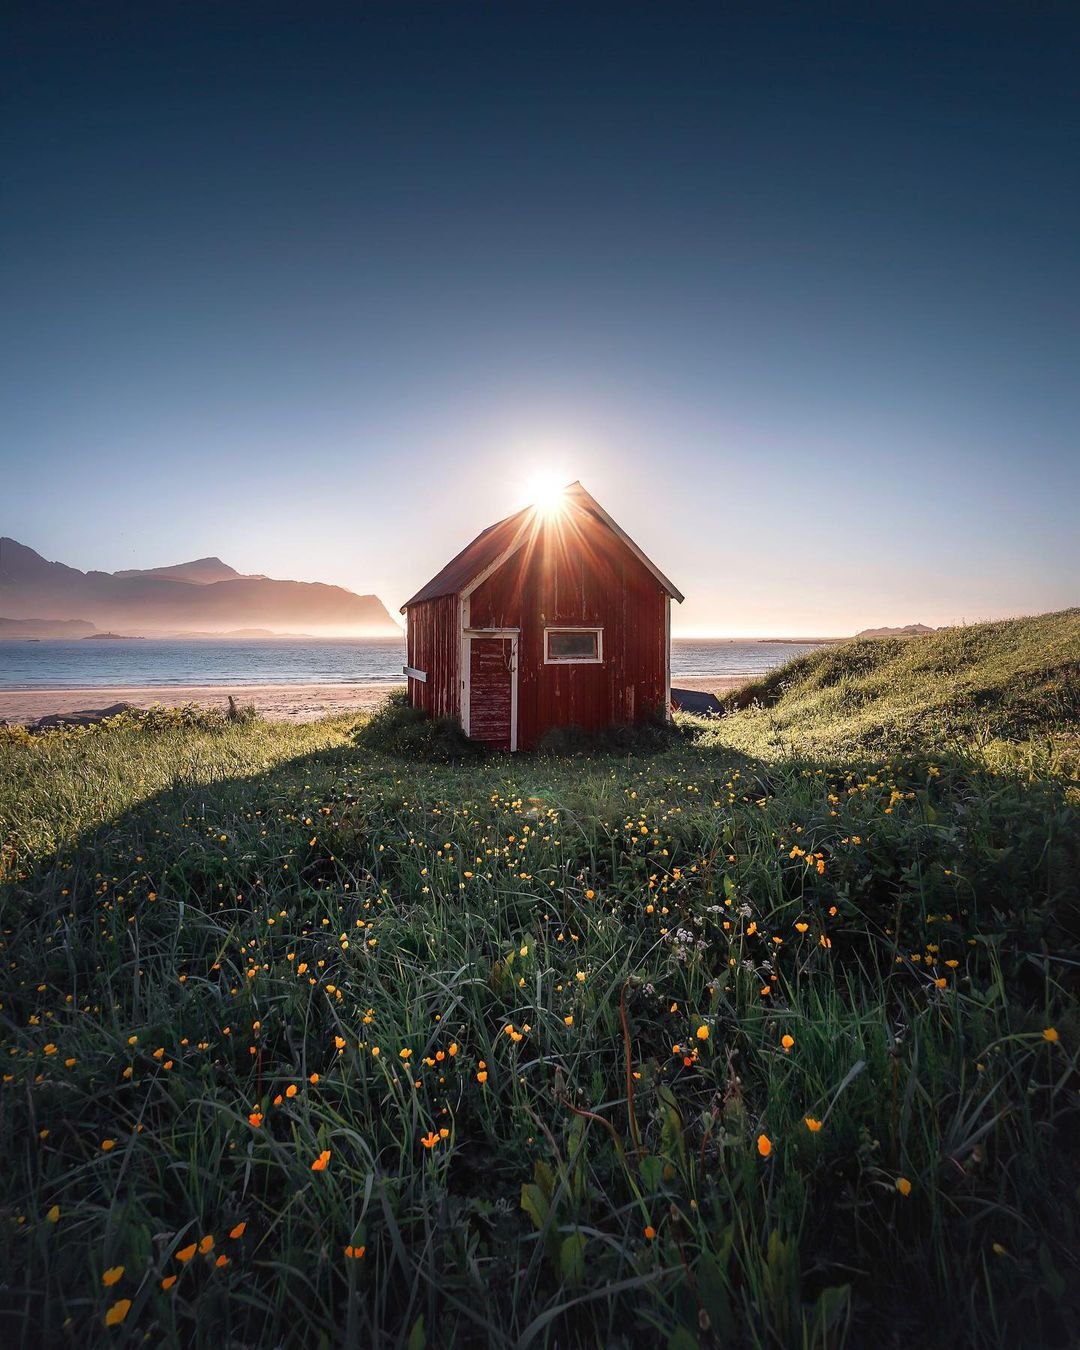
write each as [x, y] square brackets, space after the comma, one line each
[86, 664]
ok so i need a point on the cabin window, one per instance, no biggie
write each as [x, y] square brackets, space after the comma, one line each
[574, 646]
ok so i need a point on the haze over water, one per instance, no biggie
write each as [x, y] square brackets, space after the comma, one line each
[103, 664]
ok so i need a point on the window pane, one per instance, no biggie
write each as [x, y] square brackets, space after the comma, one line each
[573, 646]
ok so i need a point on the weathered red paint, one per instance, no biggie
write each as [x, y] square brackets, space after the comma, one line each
[490, 691]
[433, 645]
[528, 573]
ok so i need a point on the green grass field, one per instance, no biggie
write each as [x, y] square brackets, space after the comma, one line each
[768, 1039]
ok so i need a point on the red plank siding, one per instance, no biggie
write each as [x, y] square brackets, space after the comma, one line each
[579, 576]
[433, 644]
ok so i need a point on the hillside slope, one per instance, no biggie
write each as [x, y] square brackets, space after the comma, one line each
[1012, 680]
[206, 594]
[202, 571]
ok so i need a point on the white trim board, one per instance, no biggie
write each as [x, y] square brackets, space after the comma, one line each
[667, 658]
[464, 614]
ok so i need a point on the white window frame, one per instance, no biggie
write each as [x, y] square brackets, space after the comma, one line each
[597, 660]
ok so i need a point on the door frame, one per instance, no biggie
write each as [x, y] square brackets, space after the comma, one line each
[467, 635]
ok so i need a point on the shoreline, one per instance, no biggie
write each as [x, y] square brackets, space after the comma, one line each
[277, 702]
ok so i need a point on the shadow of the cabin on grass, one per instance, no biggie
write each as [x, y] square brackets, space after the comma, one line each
[225, 861]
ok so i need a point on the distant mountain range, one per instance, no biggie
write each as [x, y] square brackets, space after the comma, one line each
[49, 599]
[909, 630]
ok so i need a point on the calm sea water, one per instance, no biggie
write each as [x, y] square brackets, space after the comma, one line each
[83, 664]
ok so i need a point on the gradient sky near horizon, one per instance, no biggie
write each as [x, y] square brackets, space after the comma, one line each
[794, 290]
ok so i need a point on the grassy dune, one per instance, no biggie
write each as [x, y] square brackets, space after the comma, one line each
[305, 1044]
[987, 684]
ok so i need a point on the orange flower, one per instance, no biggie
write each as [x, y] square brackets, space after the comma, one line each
[650, 1232]
[801, 927]
[206, 1244]
[185, 1254]
[255, 1119]
[787, 1042]
[53, 1214]
[118, 1312]
[222, 1260]
[290, 1091]
[764, 1145]
[702, 1033]
[812, 1125]
[112, 1276]
[903, 1185]
[1050, 1034]
[354, 1253]
[168, 1281]
[238, 1231]
[107, 1144]
[319, 1165]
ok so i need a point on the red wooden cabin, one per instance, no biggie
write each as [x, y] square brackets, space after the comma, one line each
[550, 618]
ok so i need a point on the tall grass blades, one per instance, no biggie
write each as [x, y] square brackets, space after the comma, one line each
[305, 1043]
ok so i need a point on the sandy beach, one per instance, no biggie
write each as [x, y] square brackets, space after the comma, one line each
[279, 702]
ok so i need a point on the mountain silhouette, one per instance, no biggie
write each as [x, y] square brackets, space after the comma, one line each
[202, 570]
[908, 630]
[206, 594]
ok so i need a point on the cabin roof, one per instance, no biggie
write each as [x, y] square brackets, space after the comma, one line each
[495, 544]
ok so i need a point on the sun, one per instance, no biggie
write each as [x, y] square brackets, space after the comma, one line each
[544, 489]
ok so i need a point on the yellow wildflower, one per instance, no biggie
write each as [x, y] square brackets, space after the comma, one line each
[118, 1312]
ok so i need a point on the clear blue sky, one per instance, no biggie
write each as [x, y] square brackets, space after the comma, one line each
[794, 290]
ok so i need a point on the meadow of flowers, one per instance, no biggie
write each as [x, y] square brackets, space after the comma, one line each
[307, 1045]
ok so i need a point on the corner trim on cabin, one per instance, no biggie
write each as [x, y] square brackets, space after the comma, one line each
[415, 674]
[667, 659]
